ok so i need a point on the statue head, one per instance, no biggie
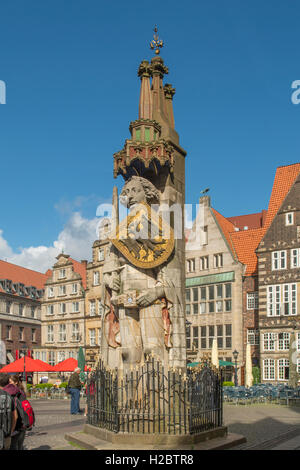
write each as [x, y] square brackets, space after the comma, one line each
[138, 189]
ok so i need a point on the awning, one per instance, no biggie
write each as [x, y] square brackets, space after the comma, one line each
[221, 363]
[210, 279]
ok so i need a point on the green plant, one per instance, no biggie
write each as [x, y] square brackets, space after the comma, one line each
[43, 386]
[228, 384]
[29, 386]
[63, 385]
[256, 375]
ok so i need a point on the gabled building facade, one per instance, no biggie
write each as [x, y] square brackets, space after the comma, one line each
[21, 291]
[63, 326]
[213, 288]
[279, 276]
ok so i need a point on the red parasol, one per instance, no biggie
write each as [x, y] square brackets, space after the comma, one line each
[31, 365]
[68, 365]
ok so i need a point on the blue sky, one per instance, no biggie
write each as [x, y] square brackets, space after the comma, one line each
[70, 69]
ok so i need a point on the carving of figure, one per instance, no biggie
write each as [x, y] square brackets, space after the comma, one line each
[130, 333]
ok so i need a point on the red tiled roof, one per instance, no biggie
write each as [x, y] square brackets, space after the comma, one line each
[18, 274]
[245, 243]
[284, 179]
[249, 220]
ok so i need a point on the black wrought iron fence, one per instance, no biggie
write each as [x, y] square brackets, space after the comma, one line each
[153, 399]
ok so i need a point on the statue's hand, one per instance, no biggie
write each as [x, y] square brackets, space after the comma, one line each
[116, 284]
[147, 298]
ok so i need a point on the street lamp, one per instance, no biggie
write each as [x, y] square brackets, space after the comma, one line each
[235, 356]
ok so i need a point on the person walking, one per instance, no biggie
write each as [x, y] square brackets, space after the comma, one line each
[8, 414]
[75, 385]
[16, 390]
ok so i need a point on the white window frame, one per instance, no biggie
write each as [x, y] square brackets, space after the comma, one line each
[218, 260]
[92, 308]
[62, 333]
[282, 363]
[50, 334]
[96, 278]
[269, 341]
[253, 337]
[268, 369]
[62, 290]
[62, 308]
[62, 274]
[75, 307]
[101, 254]
[252, 300]
[75, 332]
[50, 309]
[279, 260]
[289, 218]
[295, 258]
[284, 343]
[92, 336]
[204, 263]
[191, 265]
[74, 288]
[50, 292]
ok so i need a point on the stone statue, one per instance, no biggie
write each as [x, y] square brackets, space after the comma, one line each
[141, 295]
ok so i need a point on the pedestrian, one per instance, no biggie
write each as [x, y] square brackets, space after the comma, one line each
[8, 414]
[16, 390]
[89, 391]
[75, 387]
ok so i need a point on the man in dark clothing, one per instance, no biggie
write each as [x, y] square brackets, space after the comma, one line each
[75, 387]
[4, 379]
[18, 436]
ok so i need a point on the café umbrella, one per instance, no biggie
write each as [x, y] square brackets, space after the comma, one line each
[68, 365]
[31, 365]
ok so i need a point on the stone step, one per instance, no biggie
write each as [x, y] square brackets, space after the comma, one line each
[89, 442]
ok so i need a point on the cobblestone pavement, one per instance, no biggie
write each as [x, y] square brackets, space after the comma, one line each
[265, 426]
[53, 421]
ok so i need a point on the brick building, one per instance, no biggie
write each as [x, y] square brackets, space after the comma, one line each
[279, 276]
[21, 291]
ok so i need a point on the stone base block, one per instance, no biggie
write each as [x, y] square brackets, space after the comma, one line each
[94, 438]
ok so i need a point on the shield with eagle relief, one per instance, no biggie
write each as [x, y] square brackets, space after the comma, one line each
[144, 237]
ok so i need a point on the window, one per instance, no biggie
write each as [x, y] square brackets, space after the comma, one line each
[219, 306]
[92, 334]
[74, 288]
[220, 336]
[252, 300]
[32, 309]
[51, 358]
[278, 260]
[218, 260]
[283, 369]
[21, 333]
[50, 309]
[21, 310]
[8, 306]
[195, 337]
[252, 337]
[138, 135]
[269, 341]
[289, 218]
[62, 273]
[282, 300]
[96, 278]
[33, 335]
[211, 335]
[50, 334]
[62, 333]
[147, 134]
[295, 258]
[298, 341]
[269, 369]
[283, 341]
[191, 265]
[99, 335]
[92, 308]
[62, 308]
[101, 254]
[61, 356]
[188, 337]
[75, 307]
[228, 336]
[203, 337]
[50, 292]
[75, 332]
[8, 332]
[62, 290]
[204, 264]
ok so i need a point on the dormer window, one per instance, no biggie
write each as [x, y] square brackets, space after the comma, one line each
[289, 218]
[62, 273]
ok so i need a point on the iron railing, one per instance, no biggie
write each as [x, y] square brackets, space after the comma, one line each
[155, 399]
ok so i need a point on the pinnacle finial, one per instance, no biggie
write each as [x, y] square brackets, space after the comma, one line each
[156, 43]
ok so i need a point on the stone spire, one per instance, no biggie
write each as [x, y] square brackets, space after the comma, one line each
[145, 104]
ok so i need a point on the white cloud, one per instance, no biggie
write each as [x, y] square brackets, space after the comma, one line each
[76, 239]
